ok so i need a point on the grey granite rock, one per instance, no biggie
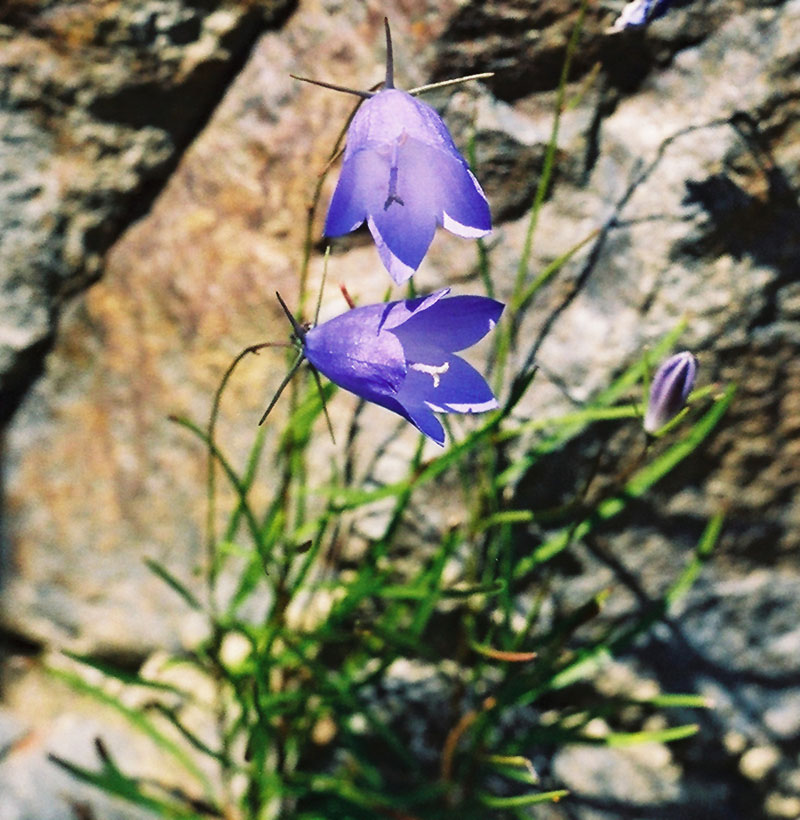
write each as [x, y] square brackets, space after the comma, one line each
[98, 100]
[32, 787]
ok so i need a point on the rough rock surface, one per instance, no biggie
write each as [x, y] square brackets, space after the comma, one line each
[31, 786]
[683, 150]
[99, 99]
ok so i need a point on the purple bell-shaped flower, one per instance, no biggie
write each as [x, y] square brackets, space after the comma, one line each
[403, 175]
[401, 355]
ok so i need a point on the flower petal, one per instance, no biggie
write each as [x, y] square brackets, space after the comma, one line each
[669, 390]
[449, 324]
[402, 208]
[639, 13]
[447, 384]
[351, 351]
[423, 419]
[420, 415]
[398, 313]
[393, 114]
[465, 210]
[398, 269]
[348, 208]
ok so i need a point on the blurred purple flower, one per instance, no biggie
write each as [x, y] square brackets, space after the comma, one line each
[403, 174]
[401, 355]
[671, 386]
[639, 13]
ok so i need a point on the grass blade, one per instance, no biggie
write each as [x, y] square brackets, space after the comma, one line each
[138, 720]
[641, 482]
[171, 581]
[522, 799]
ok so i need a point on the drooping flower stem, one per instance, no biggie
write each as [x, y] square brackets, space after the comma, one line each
[286, 379]
[211, 534]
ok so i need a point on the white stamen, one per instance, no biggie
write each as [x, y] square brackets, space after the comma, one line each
[434, 371]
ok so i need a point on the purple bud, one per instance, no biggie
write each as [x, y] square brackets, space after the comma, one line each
[671, 386]
[401, 355]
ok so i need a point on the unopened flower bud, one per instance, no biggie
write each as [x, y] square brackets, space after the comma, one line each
[671, 386]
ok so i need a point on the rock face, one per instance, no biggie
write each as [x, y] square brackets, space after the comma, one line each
[99, 100]
[682, 150]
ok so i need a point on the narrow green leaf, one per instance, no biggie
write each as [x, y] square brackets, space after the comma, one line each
[655, 736]
[137, 719]
[620, 386]
[515, 767]
[705, 547]
[638, 485]
[679, 701]
[306, 413]
[170, 580]
[349, 499]
[129, 678]
[668, 460]
[172, 718]
[493, 588]
[431, 578]
[550, 270]
[521, 799]
[505, 517]
[564, 428]
[231, 474]
[589, 660]
[115, 783]
[579, 418]
[238, 512]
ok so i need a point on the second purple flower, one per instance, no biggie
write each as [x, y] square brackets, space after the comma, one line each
[401, 355]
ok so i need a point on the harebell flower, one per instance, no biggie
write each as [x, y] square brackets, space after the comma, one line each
[403, 175]
[402, 355]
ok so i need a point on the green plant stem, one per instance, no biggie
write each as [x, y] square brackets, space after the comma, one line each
[520, 295]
